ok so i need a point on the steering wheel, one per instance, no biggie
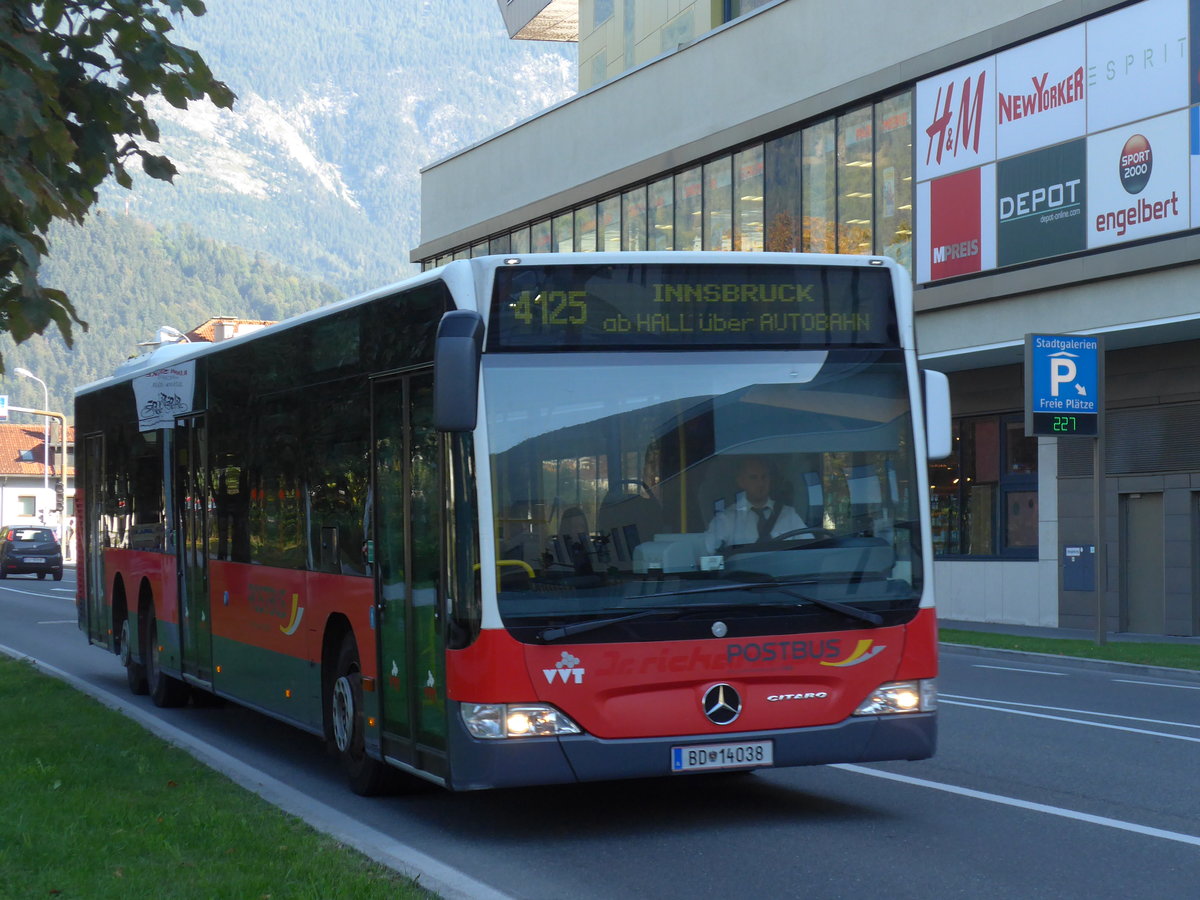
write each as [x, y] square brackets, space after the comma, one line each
[641, 486]
[815, 530]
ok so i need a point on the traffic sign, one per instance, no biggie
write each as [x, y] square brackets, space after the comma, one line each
[1064, 384]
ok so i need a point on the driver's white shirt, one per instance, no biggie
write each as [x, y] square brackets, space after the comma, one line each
[740, 524]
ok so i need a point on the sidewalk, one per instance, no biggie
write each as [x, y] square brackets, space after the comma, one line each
[1079, 634]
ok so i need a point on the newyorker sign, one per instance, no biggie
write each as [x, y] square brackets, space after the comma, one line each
[1077, 140]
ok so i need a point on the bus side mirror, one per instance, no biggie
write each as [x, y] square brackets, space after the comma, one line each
[456, 370]
[938, 438]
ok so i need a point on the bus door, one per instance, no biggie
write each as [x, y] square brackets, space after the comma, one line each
[191, 505]
[94, 522]
[407, 492]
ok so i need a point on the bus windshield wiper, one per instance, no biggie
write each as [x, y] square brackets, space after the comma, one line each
[562, 631]
[852, 611]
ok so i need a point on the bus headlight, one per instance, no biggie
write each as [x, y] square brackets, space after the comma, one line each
[900, 697]
[505, 720]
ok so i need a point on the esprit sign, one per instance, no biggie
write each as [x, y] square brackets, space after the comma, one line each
[1138, 63]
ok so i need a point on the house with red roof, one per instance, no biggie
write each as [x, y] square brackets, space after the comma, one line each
[28, 474]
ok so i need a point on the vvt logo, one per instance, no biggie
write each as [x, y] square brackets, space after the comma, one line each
[948, 134]
[565, 670]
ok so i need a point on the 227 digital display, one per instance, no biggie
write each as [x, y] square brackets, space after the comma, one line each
[1064, 424]
[658, 306]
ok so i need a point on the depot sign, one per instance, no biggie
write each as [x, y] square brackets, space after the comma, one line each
[1078, 140]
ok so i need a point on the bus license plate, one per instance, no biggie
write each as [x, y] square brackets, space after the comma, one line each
[722, 756]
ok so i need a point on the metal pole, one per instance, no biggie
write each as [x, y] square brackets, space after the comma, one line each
[1100, 557]
[25, 373]
[1099, 483]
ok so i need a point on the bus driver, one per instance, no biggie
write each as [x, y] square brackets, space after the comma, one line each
[756, 516]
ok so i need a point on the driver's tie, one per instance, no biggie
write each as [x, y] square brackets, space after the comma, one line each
[764, 527]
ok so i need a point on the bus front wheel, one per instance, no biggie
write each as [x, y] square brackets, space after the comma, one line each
[367, 776]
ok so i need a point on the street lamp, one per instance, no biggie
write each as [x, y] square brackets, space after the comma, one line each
[25, 373]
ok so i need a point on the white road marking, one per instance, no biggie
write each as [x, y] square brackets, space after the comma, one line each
[1034, 715]
[1013, 669]
[1182, 687]
[1081, 712]
[26, 593]
[1026, 804]
[57, 622]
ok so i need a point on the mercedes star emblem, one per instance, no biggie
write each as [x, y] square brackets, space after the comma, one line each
[722, 704]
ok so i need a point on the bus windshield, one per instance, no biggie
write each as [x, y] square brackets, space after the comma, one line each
[774, 482]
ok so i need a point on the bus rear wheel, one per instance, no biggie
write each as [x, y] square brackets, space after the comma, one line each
[164, 690]
[135, 672]
[367, 776]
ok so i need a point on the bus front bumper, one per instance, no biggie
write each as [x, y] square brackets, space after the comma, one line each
[516, 762]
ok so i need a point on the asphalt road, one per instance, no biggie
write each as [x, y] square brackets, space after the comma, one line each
[1051, 780]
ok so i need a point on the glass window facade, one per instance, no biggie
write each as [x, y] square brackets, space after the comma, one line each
[585, 229]
[748, 199]
[540, 236]
[782, 193]
[661, 215]
[689, 200]
[718, 204]
[984, 496]
[840, 184]
[564, 233]
[608, 215]
[819, 171]
[520, 241]
[633, 219]
[855, 165]
[893, 179]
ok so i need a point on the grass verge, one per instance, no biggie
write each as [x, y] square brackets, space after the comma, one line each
[94, 806]
[1175, 656]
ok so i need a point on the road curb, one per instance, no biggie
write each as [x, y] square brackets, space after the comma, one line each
[426, 871]
[1191, 675]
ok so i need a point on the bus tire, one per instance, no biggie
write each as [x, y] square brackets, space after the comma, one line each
[367, 776]
[135, 672]
[164, 690]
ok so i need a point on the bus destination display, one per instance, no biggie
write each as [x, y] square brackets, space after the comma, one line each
[662, 306]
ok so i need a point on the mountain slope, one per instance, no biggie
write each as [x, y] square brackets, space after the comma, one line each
[339, 106]
[314, 175]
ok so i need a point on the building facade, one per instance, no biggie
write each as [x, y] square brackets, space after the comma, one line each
[1036, 167]
[27, 483]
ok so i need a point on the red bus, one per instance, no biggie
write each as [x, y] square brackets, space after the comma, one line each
[536, 520]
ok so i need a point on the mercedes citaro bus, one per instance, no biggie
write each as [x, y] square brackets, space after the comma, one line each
[487, 527]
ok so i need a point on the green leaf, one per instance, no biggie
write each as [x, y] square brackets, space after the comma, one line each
[175, 92]
[158, 166]
[72, 77]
